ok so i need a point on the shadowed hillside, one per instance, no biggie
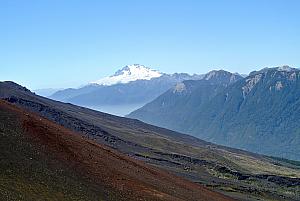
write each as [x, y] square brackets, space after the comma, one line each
[254, 113]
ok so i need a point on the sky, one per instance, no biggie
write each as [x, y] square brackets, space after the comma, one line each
[68, 43]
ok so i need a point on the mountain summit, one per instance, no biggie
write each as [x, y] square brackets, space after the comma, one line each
[129, 73]
[129, 88]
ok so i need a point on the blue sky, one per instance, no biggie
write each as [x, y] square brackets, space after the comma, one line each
[60, 43]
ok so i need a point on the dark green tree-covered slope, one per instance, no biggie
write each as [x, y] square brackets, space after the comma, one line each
[172, 108]
[259, 113]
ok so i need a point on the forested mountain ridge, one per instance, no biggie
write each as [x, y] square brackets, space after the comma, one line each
[253, 113]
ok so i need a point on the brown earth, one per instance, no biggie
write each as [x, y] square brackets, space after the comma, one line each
[106, 167]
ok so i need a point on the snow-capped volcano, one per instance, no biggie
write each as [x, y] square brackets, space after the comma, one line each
[129, 73]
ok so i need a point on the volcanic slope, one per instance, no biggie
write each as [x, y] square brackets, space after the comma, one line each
[42, 160]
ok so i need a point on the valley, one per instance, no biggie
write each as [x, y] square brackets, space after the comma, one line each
[239, 174]
[149, 100]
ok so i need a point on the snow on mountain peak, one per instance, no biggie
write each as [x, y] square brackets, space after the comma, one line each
[285, 68]
[129, 73]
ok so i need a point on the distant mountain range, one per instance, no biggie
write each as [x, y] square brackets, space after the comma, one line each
[46, 92]
[259, 113]
[131, 85]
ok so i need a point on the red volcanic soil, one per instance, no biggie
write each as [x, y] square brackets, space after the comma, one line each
[105, 167]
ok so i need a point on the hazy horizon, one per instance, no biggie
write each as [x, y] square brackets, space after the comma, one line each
[61, 44]
[89, 81]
